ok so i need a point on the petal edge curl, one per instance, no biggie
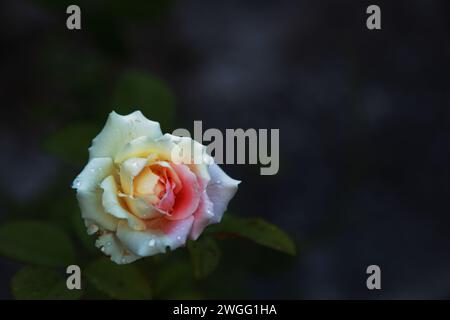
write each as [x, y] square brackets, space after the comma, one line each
[119, 130]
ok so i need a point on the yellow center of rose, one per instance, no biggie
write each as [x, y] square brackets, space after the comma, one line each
[147, 182]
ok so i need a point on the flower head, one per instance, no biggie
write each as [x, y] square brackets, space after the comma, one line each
[142, 192]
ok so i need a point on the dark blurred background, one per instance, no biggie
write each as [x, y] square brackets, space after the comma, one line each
[363, 118]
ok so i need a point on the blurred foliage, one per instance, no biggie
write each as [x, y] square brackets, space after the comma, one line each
[205, 256]
[173, 276]
[118, 281]
[257, 230]
[40, 283]
[76, 139]
[83, 83]
[36, 242]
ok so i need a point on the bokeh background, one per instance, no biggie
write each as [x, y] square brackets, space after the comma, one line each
[363, 118]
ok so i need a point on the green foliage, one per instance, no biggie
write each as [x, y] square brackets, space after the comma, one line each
[205, 256]
[173, 277]
[139, 91]
[36, 242]
[118, 281]
[71, 143]
[40, 283]
[255, 229]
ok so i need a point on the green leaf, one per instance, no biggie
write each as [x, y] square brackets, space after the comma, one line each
[205, 256]
[118, 281]
[139, 91]
[36, 242]
[71, 143]
[257, 230]
[174, 279]
[39, 283]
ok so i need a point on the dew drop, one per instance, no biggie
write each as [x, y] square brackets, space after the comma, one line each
[103, 249]
[92, 228]
[151, 243]
[218, 181]
[178, 238]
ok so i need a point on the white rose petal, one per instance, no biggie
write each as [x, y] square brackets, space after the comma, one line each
[92, 209]
[119, 130]
[93, 174]
[112, 204]
[87, 184]
[144, 146]
[111, 246]
[220, 190]
[128, 170]
[150, 242]
[141, 207]
[193, 154]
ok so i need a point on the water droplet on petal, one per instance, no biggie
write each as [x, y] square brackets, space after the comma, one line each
[93, 228]
[77, 183]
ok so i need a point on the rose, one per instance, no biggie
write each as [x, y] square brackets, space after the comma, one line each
[143, 191]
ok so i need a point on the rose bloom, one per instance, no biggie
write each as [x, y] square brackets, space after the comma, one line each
[142, 192]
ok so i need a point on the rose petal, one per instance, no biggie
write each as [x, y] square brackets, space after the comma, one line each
[203, 216]
[188, 198]
[113, 205]
[111, 246]
[170, 173]
[128, 171]
[144, 146]
[89, 194]
[189, 151]
[142, 207]
[160, 235]
[177, 231]
[168, 200]
[146, 182]
[92, 209]
[93, 174]
[221, 189]
[119, 130]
